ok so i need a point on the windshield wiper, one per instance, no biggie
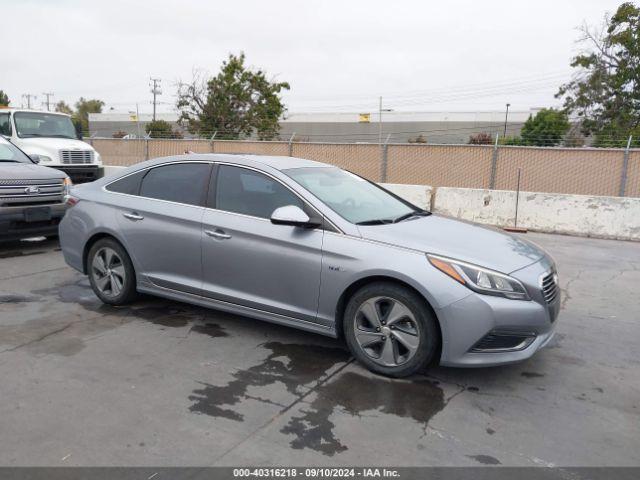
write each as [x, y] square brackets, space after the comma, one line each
[376, 221]
[415, 213]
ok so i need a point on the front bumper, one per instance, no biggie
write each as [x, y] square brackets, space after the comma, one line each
[467, 323]
[14, 223]
[81, 173]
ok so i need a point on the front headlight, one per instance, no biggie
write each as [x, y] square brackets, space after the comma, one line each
[67, 184]
[44, 158]
[98, 158]
[479, 279]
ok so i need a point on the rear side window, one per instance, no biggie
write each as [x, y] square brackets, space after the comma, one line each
[129, 185]
[182, 183]
[240, 190]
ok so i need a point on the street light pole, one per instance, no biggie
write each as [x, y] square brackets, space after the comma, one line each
[380, 122]
[155, 89]
[506, 116]
[380, 110]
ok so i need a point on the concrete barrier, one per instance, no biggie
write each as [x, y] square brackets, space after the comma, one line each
[584, 215]
[112, 170]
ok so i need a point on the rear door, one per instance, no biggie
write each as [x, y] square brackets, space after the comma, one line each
[249, 261]
[162, 224]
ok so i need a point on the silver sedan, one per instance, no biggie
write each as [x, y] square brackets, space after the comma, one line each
[308, 245]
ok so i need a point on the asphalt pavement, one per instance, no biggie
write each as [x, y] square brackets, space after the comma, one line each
[164, 383]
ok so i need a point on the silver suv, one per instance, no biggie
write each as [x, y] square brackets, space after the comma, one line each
[309, 245]
[31, 196]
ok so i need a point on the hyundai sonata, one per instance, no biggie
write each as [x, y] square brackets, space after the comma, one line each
[308, 245]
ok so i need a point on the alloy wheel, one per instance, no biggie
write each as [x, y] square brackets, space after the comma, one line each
[108, 271]
[387, 331]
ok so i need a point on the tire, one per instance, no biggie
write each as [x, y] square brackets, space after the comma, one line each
[390, 329]
[111, 272]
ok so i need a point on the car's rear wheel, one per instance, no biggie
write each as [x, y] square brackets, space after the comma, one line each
[111, 272]
[390, 329]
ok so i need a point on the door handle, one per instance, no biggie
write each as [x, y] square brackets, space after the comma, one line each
[219, 234]
[133, 216]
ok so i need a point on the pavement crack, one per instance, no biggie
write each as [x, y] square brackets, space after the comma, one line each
[265, 400]
[297, 401]
[41, 338]
[34, 273]
[566, 293]
[52, 333]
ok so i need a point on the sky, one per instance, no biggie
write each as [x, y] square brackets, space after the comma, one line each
[338, 56]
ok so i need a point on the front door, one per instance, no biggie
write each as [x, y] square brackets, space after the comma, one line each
[249, 261]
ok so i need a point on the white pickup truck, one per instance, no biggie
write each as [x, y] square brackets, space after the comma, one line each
[52, 137]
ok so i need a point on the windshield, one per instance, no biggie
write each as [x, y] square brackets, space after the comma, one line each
[353, 198]
[37, 124]
[10, 153]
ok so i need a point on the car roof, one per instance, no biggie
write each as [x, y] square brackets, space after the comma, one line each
[27, 110]
[273, 161]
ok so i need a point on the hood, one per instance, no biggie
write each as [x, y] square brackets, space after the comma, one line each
[52, 144]
[460, 240]
[26, 171]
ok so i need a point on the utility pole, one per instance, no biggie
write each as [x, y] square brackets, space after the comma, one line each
[28, 97]
[48, 95]
[506, 116]
[155, 89]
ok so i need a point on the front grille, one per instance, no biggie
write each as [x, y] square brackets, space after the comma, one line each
[503, 342]
[550, 287]
[13, 182]
[28, 192]
[75, 157]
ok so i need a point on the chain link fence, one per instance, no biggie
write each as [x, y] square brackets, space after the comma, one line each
[583, 171]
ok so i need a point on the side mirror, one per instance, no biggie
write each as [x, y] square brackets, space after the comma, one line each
[35, 158]
[292, 216]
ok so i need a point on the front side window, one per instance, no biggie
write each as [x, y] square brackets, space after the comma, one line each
[245, 191]
[182, 183]
[353, 198]
[11, 153]
[5, 124]
[42, 124]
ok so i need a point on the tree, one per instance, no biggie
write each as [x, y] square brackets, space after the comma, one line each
[4, 99]
[482, 138]
[62, 107]
[605, 92]
[83, 109]
[546, 129]
[574, 137]
[161, 129]
[237, 101]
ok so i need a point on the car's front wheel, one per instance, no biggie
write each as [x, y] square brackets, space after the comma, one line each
[390, 329]
[111, 272]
